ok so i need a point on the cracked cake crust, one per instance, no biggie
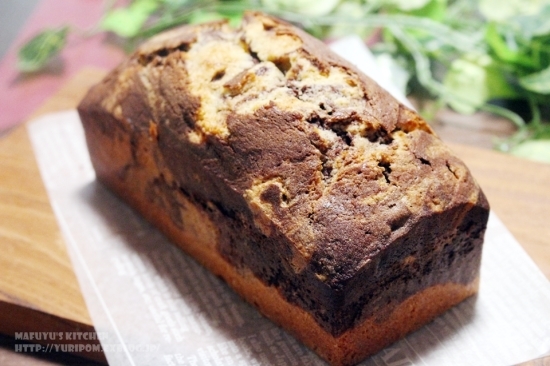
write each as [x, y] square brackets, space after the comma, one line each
[286, 171]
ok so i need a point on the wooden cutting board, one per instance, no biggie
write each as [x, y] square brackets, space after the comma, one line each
[39, 290]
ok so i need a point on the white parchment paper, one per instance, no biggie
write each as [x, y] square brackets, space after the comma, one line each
[153, 305]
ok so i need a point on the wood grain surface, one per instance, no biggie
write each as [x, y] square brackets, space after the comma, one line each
[38, 288]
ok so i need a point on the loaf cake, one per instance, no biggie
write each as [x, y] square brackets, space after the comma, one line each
[318, 197]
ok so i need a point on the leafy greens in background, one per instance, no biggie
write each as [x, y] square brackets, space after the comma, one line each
[470, 55]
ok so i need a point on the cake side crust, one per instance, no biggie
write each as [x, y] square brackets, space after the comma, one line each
[199, 235]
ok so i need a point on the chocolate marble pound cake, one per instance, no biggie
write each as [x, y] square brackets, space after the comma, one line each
[318, 197]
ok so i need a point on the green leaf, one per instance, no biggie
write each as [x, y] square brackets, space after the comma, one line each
[235, 18]
[466, 82]
[496, 81]
[503, 50]
[127, 22]
[408, 5]
[174, 4]
[37, 52]
[310, 8]
[473, 80]
[501, 11]
[421, 61]
[351, 10]
[434, 9]
[201, 16]
[538, 82]
[538, 150]
[533, 25]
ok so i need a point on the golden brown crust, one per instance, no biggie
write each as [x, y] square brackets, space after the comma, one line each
[284, 170]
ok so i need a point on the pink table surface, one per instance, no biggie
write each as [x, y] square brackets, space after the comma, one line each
[21, 94]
